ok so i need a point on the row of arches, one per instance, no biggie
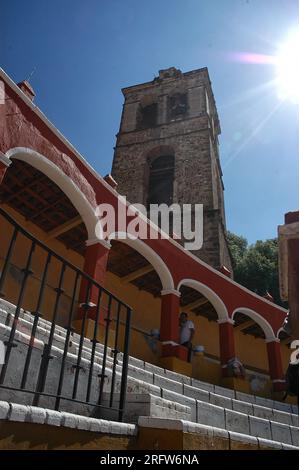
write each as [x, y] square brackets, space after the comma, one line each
[86, 210]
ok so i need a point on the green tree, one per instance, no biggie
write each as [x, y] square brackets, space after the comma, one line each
[256, 266]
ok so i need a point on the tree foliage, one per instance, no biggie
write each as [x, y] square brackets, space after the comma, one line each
[256, 266]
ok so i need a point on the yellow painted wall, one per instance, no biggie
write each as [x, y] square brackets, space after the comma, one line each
[146, 308]
[19, 259]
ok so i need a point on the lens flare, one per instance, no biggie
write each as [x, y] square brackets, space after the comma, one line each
[287, 65]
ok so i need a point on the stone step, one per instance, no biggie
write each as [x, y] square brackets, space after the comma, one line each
[23, 413]
[144, 404]
[172, 382]
[211, 437]
[230, 410]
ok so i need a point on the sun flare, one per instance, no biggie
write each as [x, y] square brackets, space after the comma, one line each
[287, 63]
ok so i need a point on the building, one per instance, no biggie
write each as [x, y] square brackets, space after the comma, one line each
[68, 295]
[167, 151]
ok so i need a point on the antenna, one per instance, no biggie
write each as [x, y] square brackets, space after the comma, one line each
[31, 74]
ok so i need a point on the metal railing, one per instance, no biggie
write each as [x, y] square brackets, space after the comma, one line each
[34, 375]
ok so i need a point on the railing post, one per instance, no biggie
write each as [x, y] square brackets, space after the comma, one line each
[123, 387]
[34, 380]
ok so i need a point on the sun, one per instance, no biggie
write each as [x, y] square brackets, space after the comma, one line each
[287, 63]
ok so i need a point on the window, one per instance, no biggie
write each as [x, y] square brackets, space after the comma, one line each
[177, 105]
[147, 116]
[161, 175]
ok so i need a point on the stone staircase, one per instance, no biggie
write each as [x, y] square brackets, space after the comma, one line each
[154, 392]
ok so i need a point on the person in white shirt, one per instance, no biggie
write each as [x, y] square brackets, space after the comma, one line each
[187, 331]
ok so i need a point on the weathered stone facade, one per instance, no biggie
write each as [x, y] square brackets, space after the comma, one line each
[186, 126]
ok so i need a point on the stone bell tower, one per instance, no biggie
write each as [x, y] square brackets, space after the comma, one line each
[167, 151]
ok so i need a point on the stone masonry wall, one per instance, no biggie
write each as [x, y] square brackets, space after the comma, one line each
[197, 177]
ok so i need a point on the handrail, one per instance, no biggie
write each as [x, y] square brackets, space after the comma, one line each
[56, 255]
[89, 299]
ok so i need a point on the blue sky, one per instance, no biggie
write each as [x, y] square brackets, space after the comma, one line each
[84, 52]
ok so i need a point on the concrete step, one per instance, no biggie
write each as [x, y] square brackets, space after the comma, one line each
[168, 384]
[209, 437]
[145, 404]
[202, 437]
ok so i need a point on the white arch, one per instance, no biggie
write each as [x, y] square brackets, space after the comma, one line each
[264, 324]
[278, 332]
[63, 181]
[217, 303]
[149, 254]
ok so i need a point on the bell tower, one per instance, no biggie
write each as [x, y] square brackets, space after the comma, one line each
[167, 151]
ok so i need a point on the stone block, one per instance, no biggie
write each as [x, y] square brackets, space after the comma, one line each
[237, 422]
[221, 400]
[295, 435]
[139, 386]
[203, 385]
[210, 415]
[177, 377]
[181, 399]
[281, 433]
[136, 362]
[37, 415]
[282, 406]
[225, 392]
[262, 412]
[197, 393]
[168, 384]
[295, 420]
[245, 397]
[264, 402]
[289, 447]
[265, 444]
[53, 417]
[4, 410]
[260, 427]
[240, 441]
[242, 407]
[282, 417]
[18, 412]
[155, 369]
[140, 374]
[69, 420]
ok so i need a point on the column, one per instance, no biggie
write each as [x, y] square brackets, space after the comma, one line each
[169, 325]
[96, 257]
[4, 164]
[275, 365]
[227, 343]
[292, 219]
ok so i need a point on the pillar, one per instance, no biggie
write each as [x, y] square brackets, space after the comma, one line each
[169, 325]
[227, 343]
[275, 365]
[4, 164]
[95, 264]
[293, 272]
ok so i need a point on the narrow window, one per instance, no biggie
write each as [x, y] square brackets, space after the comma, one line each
[147, 116]
[161, 175]
[177, 105]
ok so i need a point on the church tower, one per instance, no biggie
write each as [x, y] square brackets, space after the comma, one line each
[167, 151]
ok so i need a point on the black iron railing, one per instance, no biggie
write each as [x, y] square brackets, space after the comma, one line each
[74, 379]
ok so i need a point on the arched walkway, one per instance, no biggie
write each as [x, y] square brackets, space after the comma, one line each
[150, 255]
[209, 294]
[63, 181]
[264, 325]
